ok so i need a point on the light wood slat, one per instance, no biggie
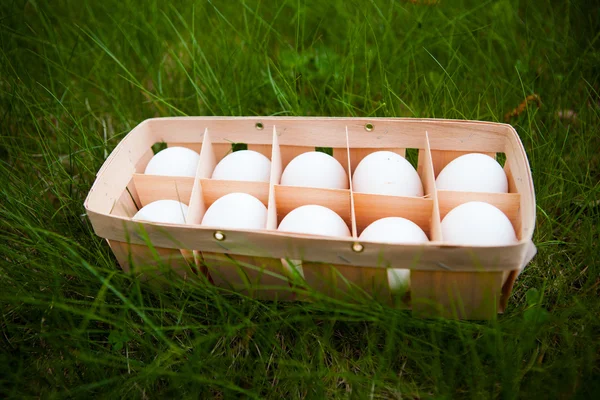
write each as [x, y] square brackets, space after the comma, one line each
[151, 188]
[257, 277]
[214, 189]
[291, 197]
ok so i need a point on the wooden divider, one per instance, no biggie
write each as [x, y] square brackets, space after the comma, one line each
[128, 203]
[214, 189]
[151, 188]
[197, 207]
[292, 197]
[142, 163]
[351, 172]
[509, 277]
[512, 186]
[291, 268]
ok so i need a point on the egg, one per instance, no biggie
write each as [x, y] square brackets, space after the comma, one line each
[314, 220]
[473, 172]
[164, 211]
[385, 172]
[315, 169]
[173, 161]
[243, 165]
[477, 224]
[236, 211]
[395, 230]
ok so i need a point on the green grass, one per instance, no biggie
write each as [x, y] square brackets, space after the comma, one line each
[75, 77]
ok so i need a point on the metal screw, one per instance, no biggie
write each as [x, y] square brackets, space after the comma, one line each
[259, 126]
[369, 127]
[357, 247]
[218, 235]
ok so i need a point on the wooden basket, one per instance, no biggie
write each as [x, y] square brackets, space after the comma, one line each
[453, 281]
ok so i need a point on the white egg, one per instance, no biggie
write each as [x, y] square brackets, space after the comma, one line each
[385, 172]
[314, 220]
[236, 211]
[315, 169]
[477, 224]
[164, 211]
[473, 172]
[173, 161]
[243, 165]
[395, 230]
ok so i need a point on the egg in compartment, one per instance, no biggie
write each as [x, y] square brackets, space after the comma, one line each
[236, 211]
[473, 172]
[243, 165]
[395, 230]
[173, 161]
[477, 223]
[312, 220]
[387, 173]
[163, 211]
[315, 169]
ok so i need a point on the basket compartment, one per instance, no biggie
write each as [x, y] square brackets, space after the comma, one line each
[213, 189]
[320, 277]
[441, 158]
[288, 153]
[454, 294]
[258, 277]
[508, 203]
[151, 188]
[287, 198]
[147, 261]
[368, 208]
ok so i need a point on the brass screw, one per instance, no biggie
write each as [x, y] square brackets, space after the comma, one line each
[218, 235]
[357, 247]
